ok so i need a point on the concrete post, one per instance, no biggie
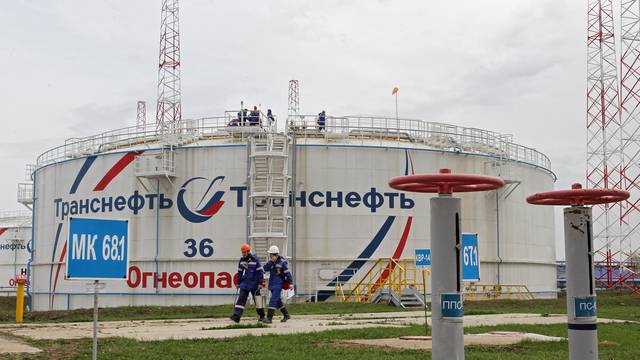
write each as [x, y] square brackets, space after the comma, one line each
[446, 297]
[581, 296]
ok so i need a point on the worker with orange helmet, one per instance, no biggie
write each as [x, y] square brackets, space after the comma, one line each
[250, 278]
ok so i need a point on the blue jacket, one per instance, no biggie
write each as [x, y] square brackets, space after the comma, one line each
[278, 272]
[250, 273]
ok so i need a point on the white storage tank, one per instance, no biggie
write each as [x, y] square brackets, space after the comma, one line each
[15, 233]
[185, 197]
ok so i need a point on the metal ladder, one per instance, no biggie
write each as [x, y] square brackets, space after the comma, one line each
[268, 192]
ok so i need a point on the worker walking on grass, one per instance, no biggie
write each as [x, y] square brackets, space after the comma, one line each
[250, 277]
[279, 278]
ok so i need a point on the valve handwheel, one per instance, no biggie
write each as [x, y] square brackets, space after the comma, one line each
[445, 182]
[578, 196]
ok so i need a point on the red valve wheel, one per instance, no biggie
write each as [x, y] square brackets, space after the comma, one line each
[578, 196]
[445, 182]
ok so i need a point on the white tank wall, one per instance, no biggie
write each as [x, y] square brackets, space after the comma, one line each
[328, 238]
[527, 244]
[13, 255]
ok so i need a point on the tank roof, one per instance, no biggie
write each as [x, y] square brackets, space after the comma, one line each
[335, 129]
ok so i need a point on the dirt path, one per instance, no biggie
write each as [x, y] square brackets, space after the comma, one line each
[424, 342]
[12, 346]
[217, 328]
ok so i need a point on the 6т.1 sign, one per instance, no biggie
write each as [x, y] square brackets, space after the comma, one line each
[470, 258]
[98, 249]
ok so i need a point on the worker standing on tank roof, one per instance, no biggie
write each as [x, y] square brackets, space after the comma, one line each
[250, 277]
[322, 117]
[279, 278]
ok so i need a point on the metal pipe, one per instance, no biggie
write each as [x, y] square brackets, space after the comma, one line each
[95, 320]
[247, 198]
[294, 165]
[446, 300]
[155, 259]
[581, 297]
[498, 237]
[33, 241]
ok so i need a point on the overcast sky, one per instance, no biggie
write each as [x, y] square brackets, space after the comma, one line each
[74, 68]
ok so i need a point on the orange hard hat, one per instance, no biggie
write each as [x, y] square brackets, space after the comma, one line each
[245, 248]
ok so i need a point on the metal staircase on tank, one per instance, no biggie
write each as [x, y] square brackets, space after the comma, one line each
[393, 281]
[268, 191]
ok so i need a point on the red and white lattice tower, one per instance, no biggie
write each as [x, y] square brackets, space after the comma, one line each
[603, 131]
[141, 115]
[293, 100]
[169, 111]
[629, 254]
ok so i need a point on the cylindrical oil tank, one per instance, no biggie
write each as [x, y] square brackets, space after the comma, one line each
[185, 196]
[15, 233]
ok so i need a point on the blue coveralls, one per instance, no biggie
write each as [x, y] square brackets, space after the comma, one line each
[250, 276]
[278, 272]
[321, 121]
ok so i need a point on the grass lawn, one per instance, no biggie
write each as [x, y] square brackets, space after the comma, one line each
[7, 311]
[613, 306]
[610, 305]
[617, 341]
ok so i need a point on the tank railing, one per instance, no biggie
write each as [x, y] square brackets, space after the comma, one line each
[437, 135]
[497, 291]
[188, 130]
[10, 215]
[434, 134]
[25, 193]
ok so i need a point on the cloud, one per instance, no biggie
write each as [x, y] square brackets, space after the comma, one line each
[76, 68]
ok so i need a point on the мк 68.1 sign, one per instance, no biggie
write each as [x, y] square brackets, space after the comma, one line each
[97, 249]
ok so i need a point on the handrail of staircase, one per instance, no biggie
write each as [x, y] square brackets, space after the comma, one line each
[382, 273]
[359, 284]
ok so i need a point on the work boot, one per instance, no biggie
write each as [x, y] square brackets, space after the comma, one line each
[235, 318]
[269, 318]
[285, 315]
[260, 314]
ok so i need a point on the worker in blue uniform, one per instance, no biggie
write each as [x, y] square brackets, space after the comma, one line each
[322, 117]
[250, 277]
[279, 278]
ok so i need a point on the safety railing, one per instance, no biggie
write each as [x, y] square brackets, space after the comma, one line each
[25, 193]
[385, 273]
[18, 218]
[187, 130]
[433, 134]
[15, 214]
[496, 291]
[235, 124]
[159, 164]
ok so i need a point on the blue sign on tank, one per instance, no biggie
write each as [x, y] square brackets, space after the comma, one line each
[423, 257]
[585, 307]
[451, 305]
[97, 249]
[470, 258]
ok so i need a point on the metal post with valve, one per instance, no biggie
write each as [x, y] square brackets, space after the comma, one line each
[578, 242]
[446, 265]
